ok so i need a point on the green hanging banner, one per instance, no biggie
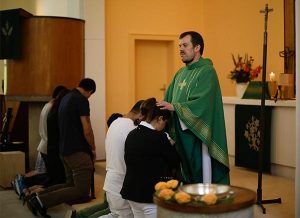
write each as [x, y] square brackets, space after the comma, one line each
[247, 137]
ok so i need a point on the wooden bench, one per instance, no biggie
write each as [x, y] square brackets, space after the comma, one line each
[11, 164]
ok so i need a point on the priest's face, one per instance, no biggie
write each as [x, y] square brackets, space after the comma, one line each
[188, 53]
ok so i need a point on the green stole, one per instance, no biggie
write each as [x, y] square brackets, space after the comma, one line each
[196, 96]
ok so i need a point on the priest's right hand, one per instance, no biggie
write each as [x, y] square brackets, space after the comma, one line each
[165, 105]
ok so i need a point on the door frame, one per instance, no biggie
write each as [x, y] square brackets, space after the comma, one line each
[173, 39]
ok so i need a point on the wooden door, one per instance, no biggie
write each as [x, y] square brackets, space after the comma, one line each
[153, 64]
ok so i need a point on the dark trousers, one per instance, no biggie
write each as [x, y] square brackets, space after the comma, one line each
[79, 169]
[55, 170]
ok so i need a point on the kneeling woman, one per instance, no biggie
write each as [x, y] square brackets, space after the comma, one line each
[149, 157]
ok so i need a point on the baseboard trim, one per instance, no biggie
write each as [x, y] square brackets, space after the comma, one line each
[276, 169]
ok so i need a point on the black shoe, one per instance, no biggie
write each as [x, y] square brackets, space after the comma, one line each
[71, 214]
[31, 208]
[34, 203]
[21, 196]
[26, 198]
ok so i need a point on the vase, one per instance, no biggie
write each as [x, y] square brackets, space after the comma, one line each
[240, 89]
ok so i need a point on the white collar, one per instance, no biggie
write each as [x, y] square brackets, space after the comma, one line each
[148, 125]
[143, 123]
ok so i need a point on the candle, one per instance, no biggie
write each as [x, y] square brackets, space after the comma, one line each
[272, 76]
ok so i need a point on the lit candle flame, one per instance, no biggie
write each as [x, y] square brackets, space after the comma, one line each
[272, 76]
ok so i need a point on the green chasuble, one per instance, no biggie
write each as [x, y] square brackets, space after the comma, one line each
[196, 96]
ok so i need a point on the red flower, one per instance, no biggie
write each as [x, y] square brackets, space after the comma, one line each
[243, 71]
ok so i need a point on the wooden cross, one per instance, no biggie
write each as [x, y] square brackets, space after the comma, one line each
[287, 54]
[266, 12]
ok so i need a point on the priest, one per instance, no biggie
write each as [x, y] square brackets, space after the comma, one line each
[198, 125]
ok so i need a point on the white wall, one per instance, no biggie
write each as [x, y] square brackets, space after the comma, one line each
[95, 67]
[297, 181]
[62, 8]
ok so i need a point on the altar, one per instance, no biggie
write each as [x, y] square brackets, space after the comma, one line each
[283, 133]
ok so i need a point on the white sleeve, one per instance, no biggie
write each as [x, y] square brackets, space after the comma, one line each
[183, 126]
[206, 161]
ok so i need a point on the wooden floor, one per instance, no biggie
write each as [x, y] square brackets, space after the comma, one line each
[272, 186]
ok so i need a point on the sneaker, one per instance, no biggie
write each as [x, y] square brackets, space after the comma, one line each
[17, 187]
[21, 183]
[14, 186]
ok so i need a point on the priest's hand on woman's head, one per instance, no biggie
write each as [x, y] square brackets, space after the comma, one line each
[165, 105]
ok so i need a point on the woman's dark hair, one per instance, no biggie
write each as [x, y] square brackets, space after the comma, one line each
[151, 111]
[196, 39]
[57, 90]
[58, 98]
[137, 107]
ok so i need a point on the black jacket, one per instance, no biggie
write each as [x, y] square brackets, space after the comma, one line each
[149, 158]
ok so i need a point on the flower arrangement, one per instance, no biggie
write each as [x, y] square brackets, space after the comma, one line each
[169, 191]
[243, 71]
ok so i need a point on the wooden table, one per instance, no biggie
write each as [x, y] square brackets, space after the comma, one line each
[241, 206]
